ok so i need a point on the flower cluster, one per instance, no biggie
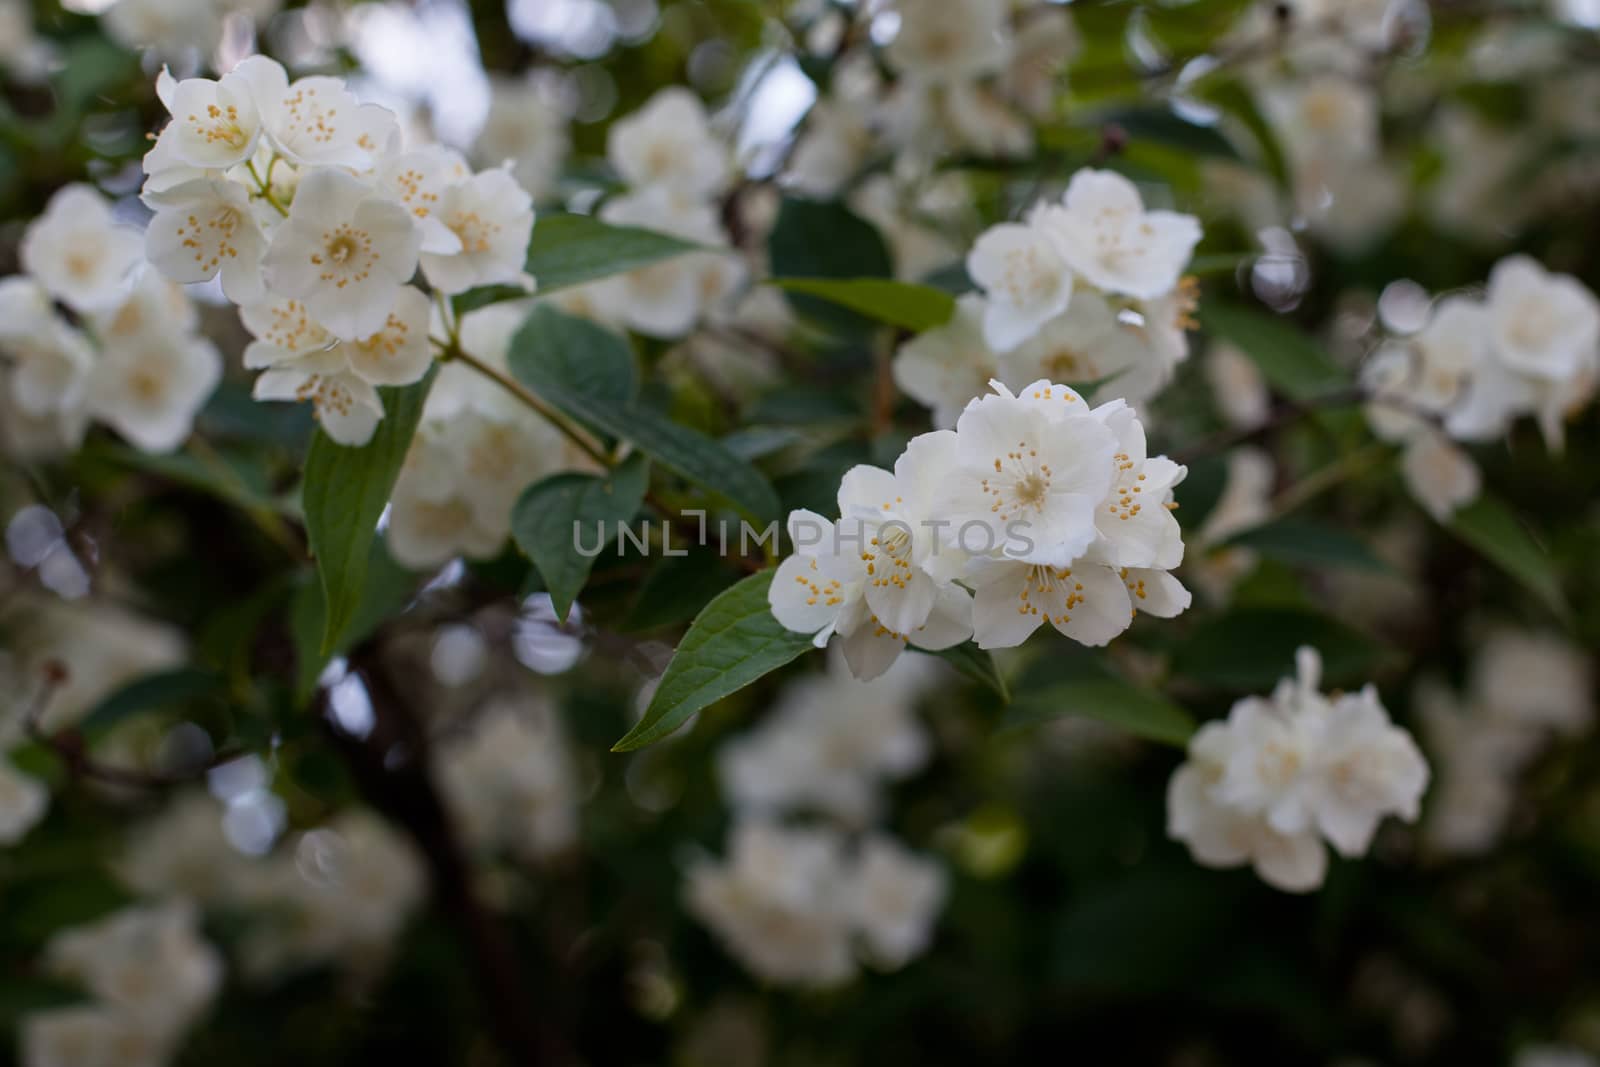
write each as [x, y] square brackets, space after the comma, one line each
[88, 332]
[1088, 291]
[1036, 508]
[149, 976]
[1529, 345]
[1282, 774]
[675, 168]
[792, 904]
[967, 76]
[301, 201]
[795, 905]
[336, 894]
[1524, 689]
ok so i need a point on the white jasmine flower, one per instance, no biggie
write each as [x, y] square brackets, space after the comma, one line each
[668, 143]
[207, 227]
[778, 903]
[1283, 773]
[943, 41]
[1027, 471]
[397, 353]
[344, 252]
[947, 366]
[1027, 281]
[1087, 602]
[23, 802]
[150, 390]
[155, 309]
[490, 217]
[317, 121]
[894, 897]
[1544, 325]
[1441, 476]
[50, 359]
[1105, 234]
[1367, 768]
[78, 252]
[215, 124]
[1135, 520]
[880, 576]
[1086, 345]
[1222, 836]
[419, 181]
[347, 405]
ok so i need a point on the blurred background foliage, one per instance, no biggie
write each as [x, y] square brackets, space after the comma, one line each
[1074, 927]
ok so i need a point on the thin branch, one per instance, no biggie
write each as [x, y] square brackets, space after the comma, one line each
[391, 767]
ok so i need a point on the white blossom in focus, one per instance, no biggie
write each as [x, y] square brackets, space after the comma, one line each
[344, 252]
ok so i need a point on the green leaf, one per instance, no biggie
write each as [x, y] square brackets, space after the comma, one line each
[1111, 700]
[554, 350]
[1489, 526]
[577, 367]
[345, 492]
[388, 588]
[153, 692]
[569, 250]
[1313, 544]
[1250, 649]
[817, 239]
[734, 641]
[976, 664]
[903, 304]
[551, 516]
[1292, 362]
[676, 590]
[1237, 101]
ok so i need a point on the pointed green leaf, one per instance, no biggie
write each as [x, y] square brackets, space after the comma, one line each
[1249, 649]
[569, 250]
[1489, 526]
[577, 366]
[910, 306]
[730, 644]
[345, 492]
[563, 518]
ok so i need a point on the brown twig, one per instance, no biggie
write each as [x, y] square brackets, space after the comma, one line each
[391, 767]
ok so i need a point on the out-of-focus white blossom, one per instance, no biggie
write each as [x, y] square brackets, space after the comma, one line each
[668, 144]
[796, 907]
[830, 742]
[78, 252]
[509, 780]
[1267, 786]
